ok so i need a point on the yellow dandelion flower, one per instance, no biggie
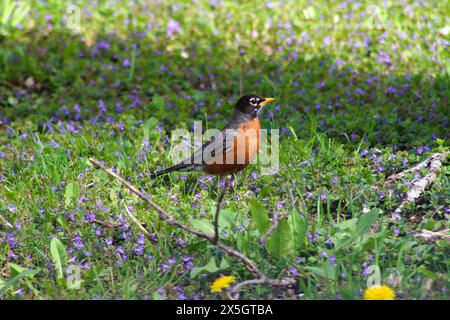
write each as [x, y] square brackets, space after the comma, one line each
[221, 283]
[379, 293]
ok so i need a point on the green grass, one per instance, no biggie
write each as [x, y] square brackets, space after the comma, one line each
[362, 92]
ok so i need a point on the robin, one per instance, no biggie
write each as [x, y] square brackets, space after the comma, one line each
[233, 148]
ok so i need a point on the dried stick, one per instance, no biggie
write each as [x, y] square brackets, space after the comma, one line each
[419, 185]
[421, 165]
[274, 225]
[427, 234]
[219, 205]
[106, 224]
[396, 176]
[139, 225]
[163, 215]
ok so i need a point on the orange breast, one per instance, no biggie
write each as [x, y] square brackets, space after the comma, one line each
[245, 148]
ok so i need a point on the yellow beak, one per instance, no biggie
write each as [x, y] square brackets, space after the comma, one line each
[266, 101]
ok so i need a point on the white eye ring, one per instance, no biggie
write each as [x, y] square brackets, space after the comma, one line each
[253, 102]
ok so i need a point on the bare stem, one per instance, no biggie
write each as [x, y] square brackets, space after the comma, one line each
[106, 224]
[274, 225]
[139, 225]
[226, 186]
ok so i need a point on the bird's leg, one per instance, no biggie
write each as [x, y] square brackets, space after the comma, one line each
[228, 181]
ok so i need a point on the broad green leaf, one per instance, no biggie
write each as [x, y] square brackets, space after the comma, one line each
[242, 242]
[346, 224]
[148, 127]
[309, 12]
[72, 193]
[62, 222]
[260, 217]
[203, 226]
[224, 264]
[265, 191]
[281, 243]
[198, 95]
[428, 273]
[326, 271]
[97, 271]
[227, 218]
[356, 229]
[365, 221]
[299, 227]
[371, 240]
[342, 239]
[12, 281]
[210, 267]
[15, 269]
[59, 255]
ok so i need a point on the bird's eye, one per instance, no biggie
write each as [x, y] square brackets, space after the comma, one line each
[253, 102]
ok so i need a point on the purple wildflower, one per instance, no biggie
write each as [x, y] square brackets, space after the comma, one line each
[419, 150]
[332, 260]
[293, 271]
[78, 242]
[103, 45]
[173, 27]
[126, 63]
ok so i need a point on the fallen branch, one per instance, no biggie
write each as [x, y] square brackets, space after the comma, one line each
[421, 165]
[163, 215]
[272, 228]
[106, 224]
[427, 234]
[419, 185]
[262, 279]
[139, 225]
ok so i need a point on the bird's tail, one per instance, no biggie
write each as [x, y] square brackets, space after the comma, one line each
[178, 167]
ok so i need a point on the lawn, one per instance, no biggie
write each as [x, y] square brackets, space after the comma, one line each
[362, 93]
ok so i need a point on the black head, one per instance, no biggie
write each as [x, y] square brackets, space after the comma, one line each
[251, 104]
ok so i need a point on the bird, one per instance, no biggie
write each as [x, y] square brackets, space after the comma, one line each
[233, 148]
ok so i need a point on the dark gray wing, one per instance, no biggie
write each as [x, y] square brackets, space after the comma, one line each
[219, 144]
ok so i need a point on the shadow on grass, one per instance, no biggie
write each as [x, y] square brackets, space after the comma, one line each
[44, 80]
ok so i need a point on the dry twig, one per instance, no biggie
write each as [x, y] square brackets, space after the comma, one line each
[397, 176]
[106, 224]
[139, 225]
[228, 180]
[274, 225]
[433, 235]
[419, 185]
[165, 216]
